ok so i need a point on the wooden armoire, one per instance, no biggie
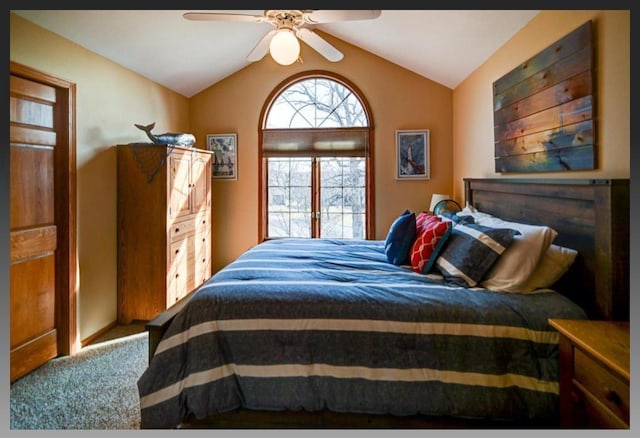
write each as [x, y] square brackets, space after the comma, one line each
[164, 226]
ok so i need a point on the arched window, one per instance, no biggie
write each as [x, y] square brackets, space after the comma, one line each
[316, 161]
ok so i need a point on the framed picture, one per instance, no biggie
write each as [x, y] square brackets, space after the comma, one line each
[225, 155]
[412, 154]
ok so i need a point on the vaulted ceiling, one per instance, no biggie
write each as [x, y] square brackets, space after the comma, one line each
[188, 56]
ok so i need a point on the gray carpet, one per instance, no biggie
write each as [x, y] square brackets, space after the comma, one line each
[94, 389]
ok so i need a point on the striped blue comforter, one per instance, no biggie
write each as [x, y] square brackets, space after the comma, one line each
[330, 324]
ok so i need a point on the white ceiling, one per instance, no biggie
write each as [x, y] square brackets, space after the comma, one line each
[187, 57]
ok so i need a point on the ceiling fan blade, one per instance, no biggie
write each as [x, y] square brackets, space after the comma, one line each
[262, 47]
[314, 41]
[217, 16]
[332, 16]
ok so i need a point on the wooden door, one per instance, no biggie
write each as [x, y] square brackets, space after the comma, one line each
[41, 239]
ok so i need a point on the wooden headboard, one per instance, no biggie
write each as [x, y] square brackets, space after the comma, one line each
[590, 216]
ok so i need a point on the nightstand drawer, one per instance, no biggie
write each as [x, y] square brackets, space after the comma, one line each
[603, 384]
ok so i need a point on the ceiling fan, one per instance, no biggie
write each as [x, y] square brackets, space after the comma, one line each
[282, 42]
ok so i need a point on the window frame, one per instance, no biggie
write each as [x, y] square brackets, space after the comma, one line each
[369, 154]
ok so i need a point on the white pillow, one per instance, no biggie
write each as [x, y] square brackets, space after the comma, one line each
[519, 260]
[555, 262]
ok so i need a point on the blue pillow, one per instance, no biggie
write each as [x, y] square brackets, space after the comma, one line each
[471, 251]
[400, 238]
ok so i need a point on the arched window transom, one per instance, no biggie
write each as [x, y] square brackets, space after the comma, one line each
[316, 103]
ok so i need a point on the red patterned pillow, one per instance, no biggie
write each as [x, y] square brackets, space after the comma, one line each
[432, 232]
[422, 219]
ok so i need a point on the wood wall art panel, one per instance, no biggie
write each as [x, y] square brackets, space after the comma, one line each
[543, 109]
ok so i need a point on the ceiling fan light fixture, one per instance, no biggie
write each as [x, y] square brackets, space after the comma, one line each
[284, 47]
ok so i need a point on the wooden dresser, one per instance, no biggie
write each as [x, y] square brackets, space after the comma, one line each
[594, 373]
[164, 227]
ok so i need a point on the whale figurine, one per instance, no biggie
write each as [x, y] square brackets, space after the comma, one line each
[168, 138]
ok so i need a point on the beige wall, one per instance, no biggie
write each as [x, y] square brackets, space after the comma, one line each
[398, 98]
[110, 99]
[473, 107]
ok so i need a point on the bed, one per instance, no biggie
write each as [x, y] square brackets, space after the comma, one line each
[328, 333]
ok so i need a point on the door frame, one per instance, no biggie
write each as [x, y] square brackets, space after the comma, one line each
[65, 175]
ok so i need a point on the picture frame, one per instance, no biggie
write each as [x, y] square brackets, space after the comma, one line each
[224, 163]
[412, 154]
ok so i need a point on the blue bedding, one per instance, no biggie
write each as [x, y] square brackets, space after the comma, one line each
[312, 324]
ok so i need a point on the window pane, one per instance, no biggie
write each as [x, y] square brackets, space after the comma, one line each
[316, 103]
[353, 198]
[279, 224]
[278, 199]
[343, 226]
[285, 224]
[354, 172]
[331, 199]
[278, 172]
[343, 198]
[301, 172]
[300, 225]
[300, 199]
[331, 172]
[289, 197]
[331, 226]
[358, 226]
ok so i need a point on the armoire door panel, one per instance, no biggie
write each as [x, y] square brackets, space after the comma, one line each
[179, 184]
[201, 181]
